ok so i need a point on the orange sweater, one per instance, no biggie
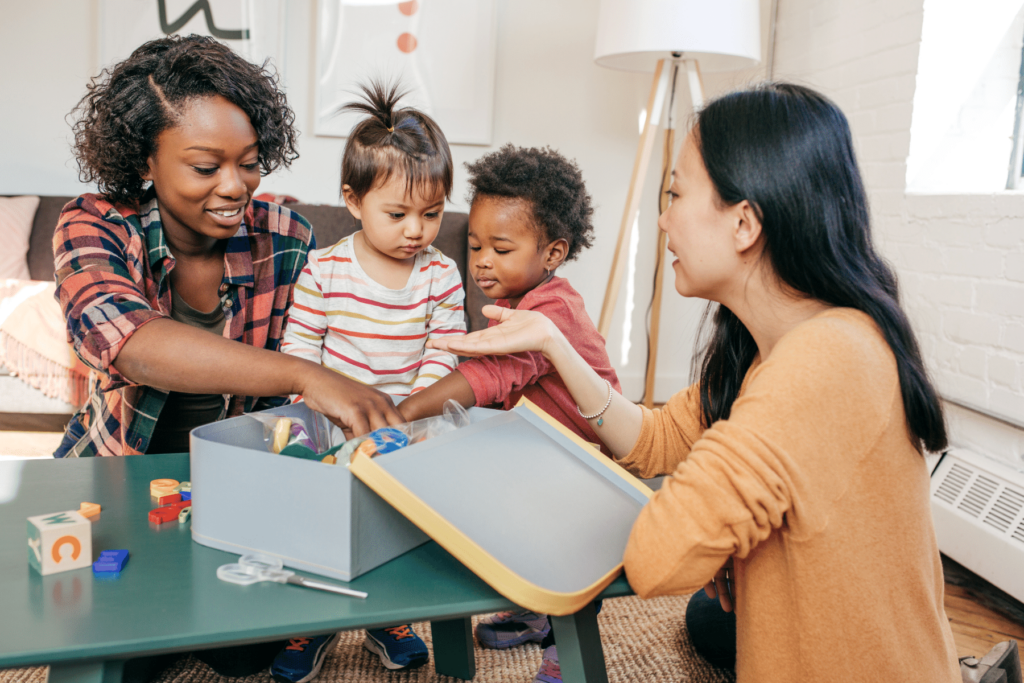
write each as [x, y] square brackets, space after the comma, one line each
[814, 488]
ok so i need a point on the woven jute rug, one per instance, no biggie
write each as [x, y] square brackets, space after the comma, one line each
[644, 641]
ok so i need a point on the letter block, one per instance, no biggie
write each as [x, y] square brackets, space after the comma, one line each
[59, 541]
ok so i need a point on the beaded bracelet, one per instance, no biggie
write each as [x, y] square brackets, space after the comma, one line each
[599, 413]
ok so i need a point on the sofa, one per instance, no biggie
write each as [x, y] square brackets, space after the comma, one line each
[25, 408]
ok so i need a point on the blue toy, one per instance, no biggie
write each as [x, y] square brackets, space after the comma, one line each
[110, 562]
[186, 495]
[388, 439]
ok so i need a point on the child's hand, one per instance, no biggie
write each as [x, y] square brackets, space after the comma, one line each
[517, 331]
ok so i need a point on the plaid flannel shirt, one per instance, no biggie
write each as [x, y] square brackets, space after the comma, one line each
[112, 269]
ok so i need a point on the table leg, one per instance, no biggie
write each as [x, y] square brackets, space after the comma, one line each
[580, 655]
[453, 648]
[86, 672]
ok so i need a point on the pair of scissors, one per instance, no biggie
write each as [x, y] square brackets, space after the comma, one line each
[254, 568]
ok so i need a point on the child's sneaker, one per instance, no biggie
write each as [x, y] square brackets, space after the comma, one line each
[301, 660]
[510, 629]
[397, 646]
[549, 672]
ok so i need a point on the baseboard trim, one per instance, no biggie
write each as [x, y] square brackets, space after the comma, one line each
[33, 422]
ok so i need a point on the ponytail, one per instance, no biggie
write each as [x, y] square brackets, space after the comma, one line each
[393, 140]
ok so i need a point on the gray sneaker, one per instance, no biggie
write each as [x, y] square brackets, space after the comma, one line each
[511, 629]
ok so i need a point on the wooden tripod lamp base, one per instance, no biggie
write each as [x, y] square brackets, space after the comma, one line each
[665, 75]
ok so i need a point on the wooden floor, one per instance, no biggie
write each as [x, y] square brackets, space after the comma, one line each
[981, 615]
[977, 628]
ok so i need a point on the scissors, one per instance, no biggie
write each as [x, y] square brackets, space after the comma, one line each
[254, 568]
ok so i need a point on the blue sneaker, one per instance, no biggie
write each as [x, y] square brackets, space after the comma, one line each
[511, 629]
[550, 671]
[301, 660]
[397, 646]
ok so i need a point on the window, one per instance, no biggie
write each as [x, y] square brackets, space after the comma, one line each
[965, 101]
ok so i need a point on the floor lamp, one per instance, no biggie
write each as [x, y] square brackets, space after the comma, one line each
[671, 37]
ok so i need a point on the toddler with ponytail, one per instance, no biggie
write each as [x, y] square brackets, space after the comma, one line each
[366, 306]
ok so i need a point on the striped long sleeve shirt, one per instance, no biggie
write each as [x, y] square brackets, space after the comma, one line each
[348, 322]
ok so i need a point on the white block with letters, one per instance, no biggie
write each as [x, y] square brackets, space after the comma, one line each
[59, 541]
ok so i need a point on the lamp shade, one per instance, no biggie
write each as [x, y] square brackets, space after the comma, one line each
[633, 35]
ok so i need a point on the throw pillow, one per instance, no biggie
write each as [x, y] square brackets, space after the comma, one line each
[16, 216]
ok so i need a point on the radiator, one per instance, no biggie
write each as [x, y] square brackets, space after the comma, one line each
[978, 506]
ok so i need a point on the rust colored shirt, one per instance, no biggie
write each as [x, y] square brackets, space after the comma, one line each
[502, 380]
[815, 489]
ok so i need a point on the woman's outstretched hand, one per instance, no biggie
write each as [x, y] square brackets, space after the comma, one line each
[515, 332]
[531, 331]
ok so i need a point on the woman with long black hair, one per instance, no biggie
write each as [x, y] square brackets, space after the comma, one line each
[798, 488]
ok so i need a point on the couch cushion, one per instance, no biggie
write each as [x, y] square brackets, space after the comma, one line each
[34, 343]
[40, 246]
[331, 223]
[16, 215]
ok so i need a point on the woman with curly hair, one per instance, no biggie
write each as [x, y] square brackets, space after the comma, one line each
[173, 280]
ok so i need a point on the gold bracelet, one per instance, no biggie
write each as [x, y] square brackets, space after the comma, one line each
[598, 414]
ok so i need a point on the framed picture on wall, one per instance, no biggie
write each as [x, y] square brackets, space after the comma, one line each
[253, 28]
[441, 51]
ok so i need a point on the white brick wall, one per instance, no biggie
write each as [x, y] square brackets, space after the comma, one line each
[959, 257]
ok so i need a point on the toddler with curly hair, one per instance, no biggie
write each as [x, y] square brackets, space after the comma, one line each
[530, 213]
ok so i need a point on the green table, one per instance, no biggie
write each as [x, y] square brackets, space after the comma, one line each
[168, 598]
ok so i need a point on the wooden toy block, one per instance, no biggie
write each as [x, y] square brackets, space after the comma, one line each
[110, 561]
[168, 513]
[163, 487]
[163, 515]
[185, 486]
[368, 447]
[90, 510]
[282, 430]
[159, 493]
[184, 515]
[186, 495]
[59, 541]
[169, 498]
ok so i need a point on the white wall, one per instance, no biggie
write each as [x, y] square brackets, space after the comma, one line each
[548, 92]
[958, 256]
[42, 79]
